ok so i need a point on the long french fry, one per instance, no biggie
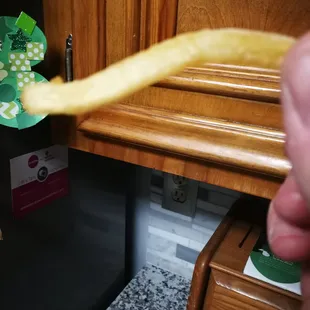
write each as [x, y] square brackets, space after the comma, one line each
[224, 46]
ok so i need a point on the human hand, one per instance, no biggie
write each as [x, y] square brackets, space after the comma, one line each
[289, 213]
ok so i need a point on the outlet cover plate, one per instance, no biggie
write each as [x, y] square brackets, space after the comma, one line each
[180, 194]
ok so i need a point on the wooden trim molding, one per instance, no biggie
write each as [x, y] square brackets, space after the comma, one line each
[245, 83]
[240, 146]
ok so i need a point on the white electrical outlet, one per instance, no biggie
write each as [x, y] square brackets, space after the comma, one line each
[180, 194]
[178, 180]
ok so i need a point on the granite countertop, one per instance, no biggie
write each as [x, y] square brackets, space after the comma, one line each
[153, 289]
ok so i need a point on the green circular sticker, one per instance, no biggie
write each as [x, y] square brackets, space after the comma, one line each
[7, 91]
[274, 268]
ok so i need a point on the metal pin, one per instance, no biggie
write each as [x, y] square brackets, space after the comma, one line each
[69, 59]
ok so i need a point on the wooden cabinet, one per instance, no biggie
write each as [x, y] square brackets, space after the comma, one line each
[213, 123]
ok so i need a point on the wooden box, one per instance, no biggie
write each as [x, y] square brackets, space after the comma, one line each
[228, 287]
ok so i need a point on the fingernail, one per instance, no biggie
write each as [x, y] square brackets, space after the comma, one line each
[278, 229]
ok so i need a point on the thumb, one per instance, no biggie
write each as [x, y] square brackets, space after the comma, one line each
[295, 98]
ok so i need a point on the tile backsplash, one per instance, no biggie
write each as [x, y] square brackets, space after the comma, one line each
[174, 241]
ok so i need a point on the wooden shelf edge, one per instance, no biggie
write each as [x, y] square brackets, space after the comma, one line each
[207, 172]
[255, 149]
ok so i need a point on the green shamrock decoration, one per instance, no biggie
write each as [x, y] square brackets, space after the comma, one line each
[19, 41]
[16, 64]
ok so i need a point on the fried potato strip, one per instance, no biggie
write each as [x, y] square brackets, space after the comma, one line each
[222, 46]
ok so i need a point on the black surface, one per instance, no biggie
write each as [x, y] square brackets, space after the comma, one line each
[69, 254]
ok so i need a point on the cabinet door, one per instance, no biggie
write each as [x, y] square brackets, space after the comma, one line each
[213, 123]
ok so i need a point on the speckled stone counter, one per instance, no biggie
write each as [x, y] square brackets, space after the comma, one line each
[153, 289]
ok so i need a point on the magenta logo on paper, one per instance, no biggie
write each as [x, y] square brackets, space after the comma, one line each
[33, 161]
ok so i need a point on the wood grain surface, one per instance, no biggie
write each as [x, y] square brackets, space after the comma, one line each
[115, 31]
[158, 21]
[57, 26]
[282, 16]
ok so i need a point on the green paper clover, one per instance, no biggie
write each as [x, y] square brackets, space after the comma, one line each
[13, 78]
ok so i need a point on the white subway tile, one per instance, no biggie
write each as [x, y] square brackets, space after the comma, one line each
[207, 219]
[157, 190]
[221, 199]
[210, 207]
[176, 226]
[172, 264]
[197, 246]
[168, 236]
[161, 244]
[206, 231]
[157, 207]
[156, 198]
[223, 190]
